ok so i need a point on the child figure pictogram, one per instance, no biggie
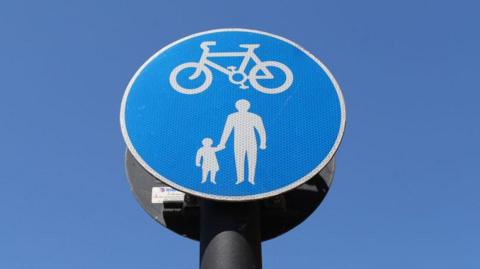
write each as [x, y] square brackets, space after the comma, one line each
[207, 159]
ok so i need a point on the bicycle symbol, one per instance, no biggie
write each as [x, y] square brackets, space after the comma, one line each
[236, 75]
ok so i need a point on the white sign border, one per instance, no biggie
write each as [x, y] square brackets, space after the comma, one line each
[265, 195]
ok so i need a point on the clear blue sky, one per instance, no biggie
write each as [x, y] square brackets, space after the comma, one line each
[406, 188]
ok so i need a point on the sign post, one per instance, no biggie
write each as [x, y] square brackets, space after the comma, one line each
[230, 235]
[232, 116]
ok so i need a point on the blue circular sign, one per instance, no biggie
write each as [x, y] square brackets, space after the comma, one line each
[233, 114]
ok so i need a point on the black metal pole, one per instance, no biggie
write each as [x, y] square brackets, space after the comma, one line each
[230, 235]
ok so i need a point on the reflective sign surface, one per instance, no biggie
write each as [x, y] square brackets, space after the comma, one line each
[233, 114]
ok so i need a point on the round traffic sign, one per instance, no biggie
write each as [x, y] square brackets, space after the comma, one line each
[233, 114]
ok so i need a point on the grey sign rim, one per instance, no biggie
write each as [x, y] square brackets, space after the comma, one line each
[293, 185]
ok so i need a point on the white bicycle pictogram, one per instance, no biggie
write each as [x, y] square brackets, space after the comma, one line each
[236, 75]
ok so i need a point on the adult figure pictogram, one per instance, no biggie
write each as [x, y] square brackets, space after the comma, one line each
[244, 124]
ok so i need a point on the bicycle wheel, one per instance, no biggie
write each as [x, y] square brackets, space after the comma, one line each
[176, 86]
[286, 84]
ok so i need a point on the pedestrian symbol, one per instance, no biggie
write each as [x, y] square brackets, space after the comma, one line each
[244, 124]
[233, 114]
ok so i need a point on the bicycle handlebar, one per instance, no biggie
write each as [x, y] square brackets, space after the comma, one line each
[205, 44]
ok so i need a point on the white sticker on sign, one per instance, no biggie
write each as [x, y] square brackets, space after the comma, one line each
[166, 194]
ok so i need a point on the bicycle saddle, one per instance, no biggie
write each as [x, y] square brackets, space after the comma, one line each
[247, 46]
